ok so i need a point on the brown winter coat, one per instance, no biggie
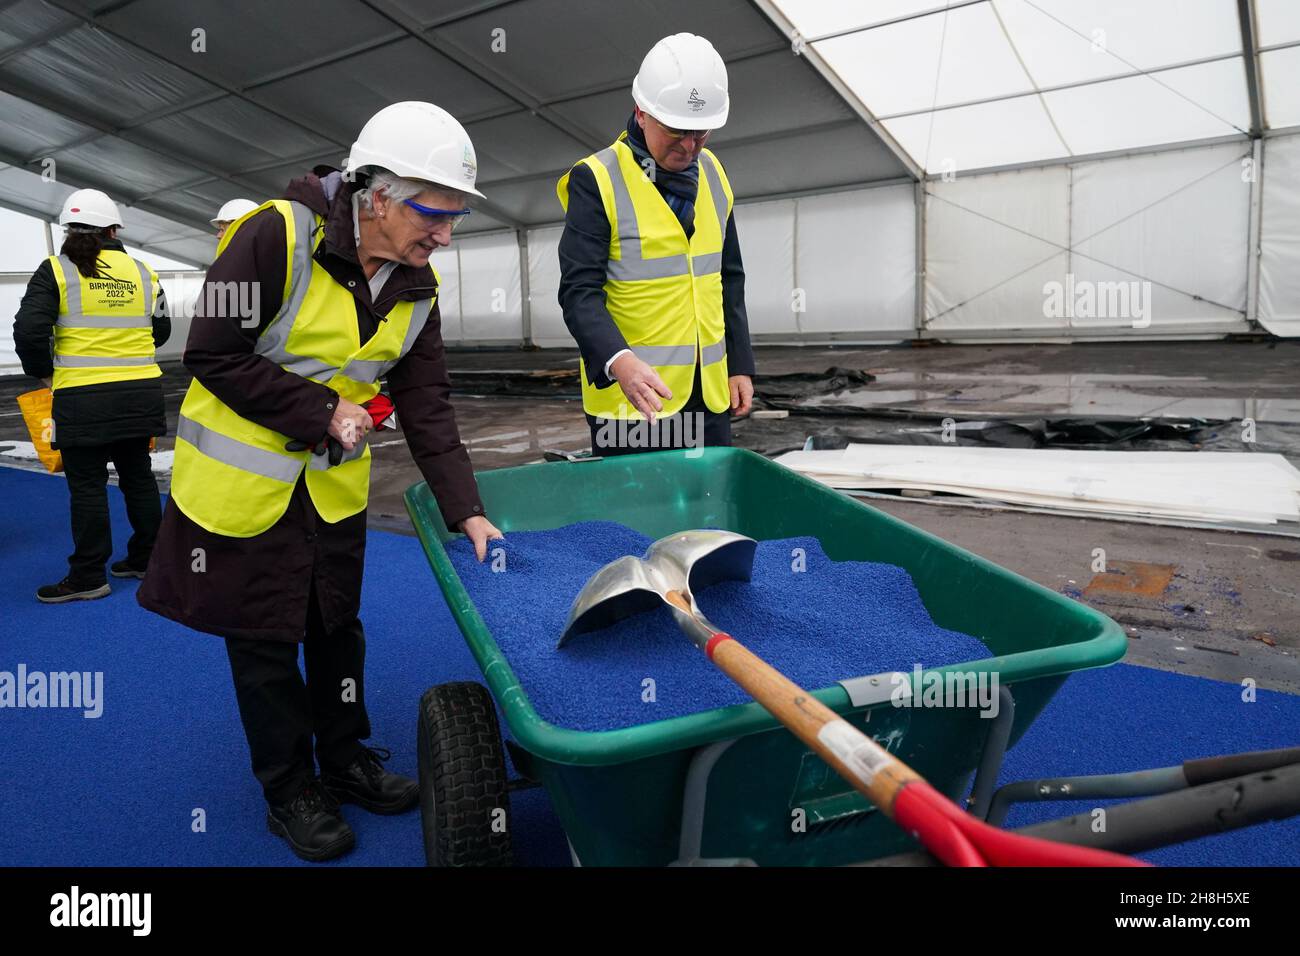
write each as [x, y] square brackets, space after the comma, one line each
[259, 587]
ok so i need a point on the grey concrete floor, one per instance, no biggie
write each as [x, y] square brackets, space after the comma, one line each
[1213, 603]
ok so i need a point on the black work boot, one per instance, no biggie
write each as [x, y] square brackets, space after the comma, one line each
[125, 569]
[310, 823]
[367, 784]
[67, 590]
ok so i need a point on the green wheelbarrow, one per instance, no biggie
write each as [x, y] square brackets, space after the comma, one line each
[728, 785]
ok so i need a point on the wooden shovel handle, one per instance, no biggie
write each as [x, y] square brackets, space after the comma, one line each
[873, 771]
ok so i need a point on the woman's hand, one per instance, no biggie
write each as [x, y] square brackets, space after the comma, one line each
[350, 423]
[479, 530]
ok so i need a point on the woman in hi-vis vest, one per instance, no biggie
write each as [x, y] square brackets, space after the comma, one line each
[263, 539]
[87, 327]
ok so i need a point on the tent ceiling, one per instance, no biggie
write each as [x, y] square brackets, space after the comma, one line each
[967, 84]
[115, 94]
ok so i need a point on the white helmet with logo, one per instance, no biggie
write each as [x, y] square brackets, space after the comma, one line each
[417, 141]
[232, 210]
[90, 207]
[683, 83]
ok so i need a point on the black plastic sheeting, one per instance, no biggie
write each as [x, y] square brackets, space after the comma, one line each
[770, 391]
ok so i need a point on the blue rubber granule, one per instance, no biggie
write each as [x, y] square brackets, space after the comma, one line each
[830, 621]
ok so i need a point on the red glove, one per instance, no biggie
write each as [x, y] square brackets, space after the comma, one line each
[381, 409]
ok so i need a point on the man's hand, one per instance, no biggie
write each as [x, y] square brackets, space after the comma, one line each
[479, 530]
[641, 384]
[742, 394]
[350, 423]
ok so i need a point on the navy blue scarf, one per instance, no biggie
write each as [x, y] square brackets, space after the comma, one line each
[678, 189]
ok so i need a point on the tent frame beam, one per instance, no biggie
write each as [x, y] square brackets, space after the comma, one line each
[799, 47]
[1250, 54]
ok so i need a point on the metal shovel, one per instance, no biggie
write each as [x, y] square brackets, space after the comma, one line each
[672, 570]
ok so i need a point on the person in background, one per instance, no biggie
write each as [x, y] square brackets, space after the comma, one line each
[656, 298]
[229, 212]
[272, 468]
[87, 327]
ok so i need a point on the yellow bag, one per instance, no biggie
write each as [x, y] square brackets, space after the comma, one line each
[38, 411]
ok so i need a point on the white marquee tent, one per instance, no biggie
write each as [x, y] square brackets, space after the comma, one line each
[970, 170]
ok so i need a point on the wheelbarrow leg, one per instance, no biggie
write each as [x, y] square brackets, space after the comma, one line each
[995, 749]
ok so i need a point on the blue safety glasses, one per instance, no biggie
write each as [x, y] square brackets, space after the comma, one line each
[433, 218]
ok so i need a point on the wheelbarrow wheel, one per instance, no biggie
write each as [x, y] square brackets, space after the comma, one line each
[464, 806]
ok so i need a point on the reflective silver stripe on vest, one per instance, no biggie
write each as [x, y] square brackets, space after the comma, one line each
[625, 270]
[719, 196]
[71, 285]
[146, 287]
[100, 361]
[310, 367]
[629, 231]
[76, 319]
[271, 343]
[236, 454]
[713, 353]
[708, 263]
[665, 354]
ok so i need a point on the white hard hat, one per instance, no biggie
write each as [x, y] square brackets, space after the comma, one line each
[683, 83]
[417, 141]
[90, 207]
[235, 209]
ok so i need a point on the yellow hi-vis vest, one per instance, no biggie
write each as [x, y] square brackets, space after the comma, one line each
[663, 291]
[104, 332]
[233, 476]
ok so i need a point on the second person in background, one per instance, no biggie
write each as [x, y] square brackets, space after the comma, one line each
[651, 279]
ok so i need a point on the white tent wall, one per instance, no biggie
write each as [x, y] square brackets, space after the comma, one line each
[855, 258]
[547, 321]
[1176, 219]
[1279, 257]
[486, 290]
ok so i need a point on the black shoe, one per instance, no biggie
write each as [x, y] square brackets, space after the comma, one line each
[124, 569]
[65, 590]
[310, 823]
[367, 784]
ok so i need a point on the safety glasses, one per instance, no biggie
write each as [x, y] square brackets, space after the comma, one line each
[679, 134]
[432, 218]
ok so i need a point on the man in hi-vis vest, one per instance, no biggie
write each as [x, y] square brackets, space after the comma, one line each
[651, 280]
[312, 301]
[87, 327]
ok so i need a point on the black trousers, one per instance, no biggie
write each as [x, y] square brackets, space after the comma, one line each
[281, 713]
[692, 427]
[86, 468]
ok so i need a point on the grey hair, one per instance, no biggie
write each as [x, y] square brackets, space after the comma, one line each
[396, 188]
